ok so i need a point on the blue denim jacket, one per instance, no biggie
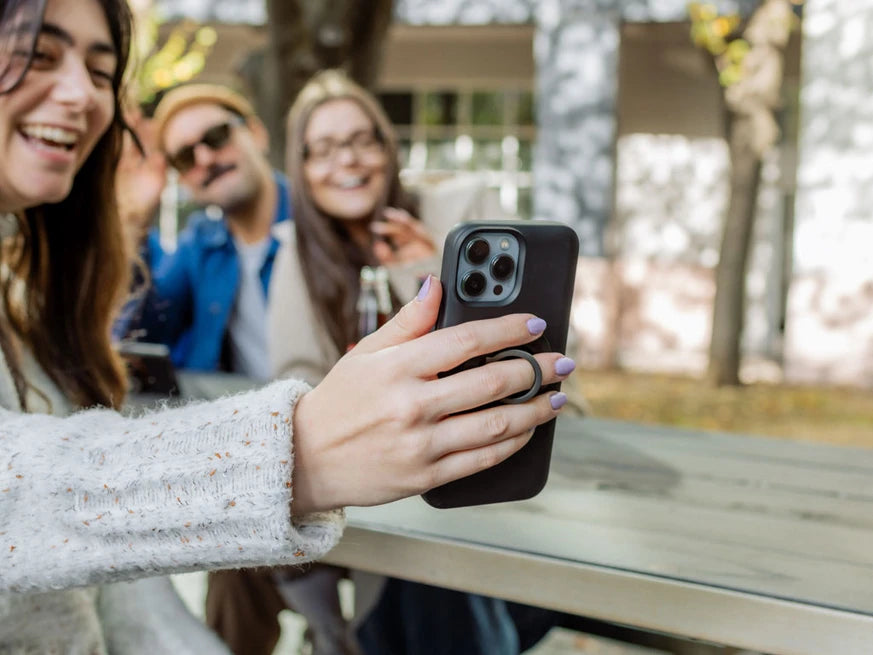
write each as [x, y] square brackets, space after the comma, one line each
[192, 292]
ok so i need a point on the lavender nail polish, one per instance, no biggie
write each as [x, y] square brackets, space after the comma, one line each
[536, 326]
[558, 400]
[425, 287]
[565, 366]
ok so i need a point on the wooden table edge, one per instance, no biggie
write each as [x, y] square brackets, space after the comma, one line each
[713, 614]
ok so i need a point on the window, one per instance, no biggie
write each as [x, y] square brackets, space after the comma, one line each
[469, 129]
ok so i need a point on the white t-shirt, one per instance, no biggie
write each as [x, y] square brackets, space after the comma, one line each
[247, 327]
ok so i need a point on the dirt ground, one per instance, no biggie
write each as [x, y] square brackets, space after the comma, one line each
[833, 415]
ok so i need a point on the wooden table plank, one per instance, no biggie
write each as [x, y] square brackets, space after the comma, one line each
[702, 612]
[829, 470]
[729, 442]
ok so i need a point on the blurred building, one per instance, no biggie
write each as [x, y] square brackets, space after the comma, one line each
[603, 115]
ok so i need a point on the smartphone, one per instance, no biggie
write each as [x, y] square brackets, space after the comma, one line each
[494, 268]
[150, 368]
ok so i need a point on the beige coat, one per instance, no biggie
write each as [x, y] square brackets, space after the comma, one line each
[299, 344]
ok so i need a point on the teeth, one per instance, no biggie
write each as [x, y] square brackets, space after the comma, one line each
[50, 133]
[351, 182]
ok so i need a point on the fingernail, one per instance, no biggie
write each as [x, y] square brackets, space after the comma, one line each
[425, 287]
[565, 366]
[536, 326]
[558, 400]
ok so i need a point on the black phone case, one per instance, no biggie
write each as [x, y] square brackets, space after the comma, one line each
[547, 261]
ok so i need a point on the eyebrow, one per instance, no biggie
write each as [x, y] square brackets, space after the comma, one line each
[350, 135]
[99, 47]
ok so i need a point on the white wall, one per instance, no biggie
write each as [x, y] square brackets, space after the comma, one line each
[829, 334]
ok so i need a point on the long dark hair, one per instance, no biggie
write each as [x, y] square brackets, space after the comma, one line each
[331, 260]
[69, 265]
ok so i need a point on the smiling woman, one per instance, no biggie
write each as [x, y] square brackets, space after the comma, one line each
[64, 109]
[91, 498]
[350, 207]
[53, 118]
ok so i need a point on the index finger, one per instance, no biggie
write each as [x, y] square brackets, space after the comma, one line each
[446, 348]
[399, 216]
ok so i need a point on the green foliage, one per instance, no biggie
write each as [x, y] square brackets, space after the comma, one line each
[717, 34]
[179, 59]
[721, 36]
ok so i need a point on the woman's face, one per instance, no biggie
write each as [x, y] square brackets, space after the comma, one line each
[50, 123]
[345, 166]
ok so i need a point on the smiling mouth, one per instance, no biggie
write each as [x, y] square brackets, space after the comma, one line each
[50, 137]
[352, 183]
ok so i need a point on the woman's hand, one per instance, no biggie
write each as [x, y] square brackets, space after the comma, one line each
[139, 180]
[382, 426]
[404, 239]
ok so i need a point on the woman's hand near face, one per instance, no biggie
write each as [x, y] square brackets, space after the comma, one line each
[404, 238]
[139, 180]
[382, 426]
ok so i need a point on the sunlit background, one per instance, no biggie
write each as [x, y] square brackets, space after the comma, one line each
[613, 119]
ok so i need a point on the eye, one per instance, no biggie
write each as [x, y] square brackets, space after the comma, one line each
[45, 54]
[102, 68]
[321, 149]
[43, 59]
[102, 78]
[360, 140]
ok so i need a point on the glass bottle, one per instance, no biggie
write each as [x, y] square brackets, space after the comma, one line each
[368, 303]
[383, 295]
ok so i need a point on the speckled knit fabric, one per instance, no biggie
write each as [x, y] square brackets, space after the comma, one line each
[96, 497]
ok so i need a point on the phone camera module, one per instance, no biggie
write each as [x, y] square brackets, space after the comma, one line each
[474, 283]
[478, 251]
[502, 267]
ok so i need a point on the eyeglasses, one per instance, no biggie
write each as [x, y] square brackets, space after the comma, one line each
[20, 26]
[215, 138]
[364, 144]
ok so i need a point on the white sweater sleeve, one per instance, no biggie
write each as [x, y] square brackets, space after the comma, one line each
[98, 497]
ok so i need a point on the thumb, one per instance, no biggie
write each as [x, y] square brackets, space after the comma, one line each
[414, 319]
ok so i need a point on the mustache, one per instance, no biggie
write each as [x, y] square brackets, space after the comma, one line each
[216, 171]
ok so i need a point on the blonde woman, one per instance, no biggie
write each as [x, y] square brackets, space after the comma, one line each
[351, 210]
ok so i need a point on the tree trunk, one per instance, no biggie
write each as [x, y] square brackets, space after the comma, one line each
[730, 278]
[306, 36]
[370, 22]
[752, 129]
[278, 73]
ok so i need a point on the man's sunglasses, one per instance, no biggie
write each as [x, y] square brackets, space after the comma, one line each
[215, 138]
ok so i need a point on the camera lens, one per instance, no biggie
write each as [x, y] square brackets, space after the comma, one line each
[502, 267]
[477, 251]
[474, 283]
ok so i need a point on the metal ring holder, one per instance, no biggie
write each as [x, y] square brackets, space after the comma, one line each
[517, 353]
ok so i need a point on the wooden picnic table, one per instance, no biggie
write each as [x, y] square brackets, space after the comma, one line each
[752, 542]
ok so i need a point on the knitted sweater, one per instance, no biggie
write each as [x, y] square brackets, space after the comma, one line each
[96, 498]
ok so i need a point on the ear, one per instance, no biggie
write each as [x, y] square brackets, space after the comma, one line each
[259, 133]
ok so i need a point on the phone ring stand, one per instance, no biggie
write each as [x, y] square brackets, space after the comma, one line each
[517, 353]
